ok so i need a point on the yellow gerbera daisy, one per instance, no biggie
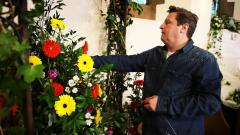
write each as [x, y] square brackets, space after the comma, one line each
[65, 105]
[34, 60]
[85, 63]
[58, 24]
[98, 117]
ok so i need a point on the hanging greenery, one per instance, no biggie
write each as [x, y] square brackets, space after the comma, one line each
[218, 23]
[118, 17]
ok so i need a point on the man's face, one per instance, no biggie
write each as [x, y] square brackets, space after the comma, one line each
[170, 30]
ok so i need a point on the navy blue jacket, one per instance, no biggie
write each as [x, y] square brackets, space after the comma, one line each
[188, 84]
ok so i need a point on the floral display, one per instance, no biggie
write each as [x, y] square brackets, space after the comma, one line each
[72, 88]
[134, 108]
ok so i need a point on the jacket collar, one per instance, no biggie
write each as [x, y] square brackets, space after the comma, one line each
[185, 49]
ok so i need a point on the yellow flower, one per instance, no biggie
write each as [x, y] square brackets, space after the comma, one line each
[58, 24]
[98, 117]
[99, 91]
[85, 63]
[65, 105]
[139, 128]
[34, 60]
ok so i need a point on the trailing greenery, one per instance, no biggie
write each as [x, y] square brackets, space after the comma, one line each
[218, 23]
[118, 17]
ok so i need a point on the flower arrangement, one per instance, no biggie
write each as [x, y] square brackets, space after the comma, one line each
[71, 87]
[69, 95]
[134, 109]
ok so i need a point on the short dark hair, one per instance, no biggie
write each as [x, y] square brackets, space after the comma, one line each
[185, 17]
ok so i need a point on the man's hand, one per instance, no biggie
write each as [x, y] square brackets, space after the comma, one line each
[150, 103]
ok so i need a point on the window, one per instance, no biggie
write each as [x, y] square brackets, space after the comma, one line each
[140, 1]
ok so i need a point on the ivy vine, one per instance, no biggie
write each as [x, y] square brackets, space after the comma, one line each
[118, 17]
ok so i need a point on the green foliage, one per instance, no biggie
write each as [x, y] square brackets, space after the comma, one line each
[118, 18]
[14, 49]
[30, 72]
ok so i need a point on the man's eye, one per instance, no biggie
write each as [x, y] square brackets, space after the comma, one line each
[167, 22]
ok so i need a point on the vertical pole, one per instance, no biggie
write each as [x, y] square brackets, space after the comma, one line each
[28, 93]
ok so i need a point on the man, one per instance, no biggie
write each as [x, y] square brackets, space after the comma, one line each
[181, 82]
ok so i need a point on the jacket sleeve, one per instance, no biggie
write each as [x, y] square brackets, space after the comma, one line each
[204, 96]
[122, 63]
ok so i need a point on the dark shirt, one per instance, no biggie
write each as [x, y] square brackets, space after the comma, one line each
[188, 84]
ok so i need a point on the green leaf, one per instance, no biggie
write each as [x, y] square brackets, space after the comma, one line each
[117, 124]
[16, 85]
[80, 122]
[80, 51]
[80, 98]
[21, 48]
[7, 41]
[105, 68]
[30, 73]
[87, 92]
[81, 105]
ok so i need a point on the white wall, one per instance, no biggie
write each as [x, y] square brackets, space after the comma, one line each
[145, 34]
[236, 12]
[85, 17]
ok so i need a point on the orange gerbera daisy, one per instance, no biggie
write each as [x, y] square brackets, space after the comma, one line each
[51, 48]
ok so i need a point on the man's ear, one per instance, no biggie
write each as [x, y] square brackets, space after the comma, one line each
[185, 28]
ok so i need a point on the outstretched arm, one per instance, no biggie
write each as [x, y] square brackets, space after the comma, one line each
[123, 63]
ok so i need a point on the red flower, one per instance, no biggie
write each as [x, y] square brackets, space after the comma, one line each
[51, 49]
[138, 82]
[132, 131]
[58, 88]
[13, 109]
[95, 91]
[85, 48]
[135, 104]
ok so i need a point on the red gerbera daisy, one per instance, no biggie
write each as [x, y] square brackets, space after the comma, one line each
[51, 48]
[58, 88]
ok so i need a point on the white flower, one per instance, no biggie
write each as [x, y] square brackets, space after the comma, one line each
[71, 83]
[89, 85]
[85, 75]
[89, 122]
[67, 89]
[87, 115]
[76, 78]
[43, 75]
[104, 99]
[74, 90]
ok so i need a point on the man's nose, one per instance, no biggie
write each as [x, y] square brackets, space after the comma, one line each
[161, 26]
